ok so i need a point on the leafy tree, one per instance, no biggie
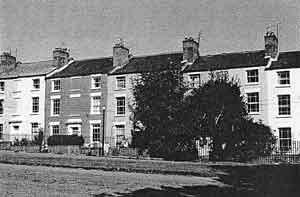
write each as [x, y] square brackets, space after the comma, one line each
[158, 101]
[217, 111]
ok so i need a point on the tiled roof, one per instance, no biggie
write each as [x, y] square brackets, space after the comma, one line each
[26, 69]
[228, 61]
[86, 67]
[286, 60]
[150, 63]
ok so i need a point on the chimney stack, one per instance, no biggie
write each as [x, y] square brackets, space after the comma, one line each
[7, 59]
[120, 54]
[190, 50]
[60, 56]
[271, 45]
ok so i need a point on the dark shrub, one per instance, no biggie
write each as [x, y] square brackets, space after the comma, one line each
[65, 140]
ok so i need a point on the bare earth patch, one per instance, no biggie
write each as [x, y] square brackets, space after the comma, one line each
[21, 180]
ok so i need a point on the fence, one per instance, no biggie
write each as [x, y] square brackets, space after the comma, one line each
[287, 152]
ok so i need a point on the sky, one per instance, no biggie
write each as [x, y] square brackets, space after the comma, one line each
[90, 28]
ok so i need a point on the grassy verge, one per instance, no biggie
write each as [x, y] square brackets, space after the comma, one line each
[109, 164]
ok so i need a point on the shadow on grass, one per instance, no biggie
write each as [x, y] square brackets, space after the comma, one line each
[262, 181]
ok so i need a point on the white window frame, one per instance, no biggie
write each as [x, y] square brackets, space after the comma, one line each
[52, 129]
[53, 85]
[250, 77]
[284, 107]
[34, 84]
[120, 114]
[52, 106]
[35, 130]
[93, 81]
[121, 86]
[285, 138]
[93, 104]
[195, 83]
[37, 105]
[284, 80]
[253, 106]
[118, 135]
[92, 124]
[74, 125]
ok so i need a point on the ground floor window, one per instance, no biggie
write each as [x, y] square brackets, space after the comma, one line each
[120, 133]
[34, 128]
[55, 129]
[285, 139]
[96, 132]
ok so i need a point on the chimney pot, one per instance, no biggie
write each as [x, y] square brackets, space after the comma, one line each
[271, 45]
[60, 56]
[120, 55]
[190, 50]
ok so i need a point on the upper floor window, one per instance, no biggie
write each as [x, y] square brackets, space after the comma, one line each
[284, 105]
[95, 105]
[195, 80]
[55, 105]
[36, 84]
[285, 139]
[96, 82]
[121, 82]
[253, 102]
[56, 85]
[2, 86]
[35, 104]
[252, 76]
[120, 105]
[283, 77]
[1, 106]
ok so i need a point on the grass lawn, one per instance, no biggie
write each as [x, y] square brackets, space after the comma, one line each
[173, 178]
[108, 164]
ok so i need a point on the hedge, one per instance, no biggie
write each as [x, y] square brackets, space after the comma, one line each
[65, 140]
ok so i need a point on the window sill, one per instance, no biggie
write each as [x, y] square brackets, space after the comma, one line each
[15, 115]
[284, 116]
[252, 84]
[35, 90]
[74, 90]
[35, 113]
[55, 115]
[93, 88]
[94, 113]
[17, 91]
[120, 115]
[73, 115]
[120, 89]
[254, 113]
[283, 86]
[55, 90]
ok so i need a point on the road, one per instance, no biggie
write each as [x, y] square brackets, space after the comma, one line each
[21, 180]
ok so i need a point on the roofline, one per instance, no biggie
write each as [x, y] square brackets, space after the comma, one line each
[59, 69]
[156, 54]
[5, 78]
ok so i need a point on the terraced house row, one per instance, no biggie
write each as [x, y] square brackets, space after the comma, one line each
[66, 96]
